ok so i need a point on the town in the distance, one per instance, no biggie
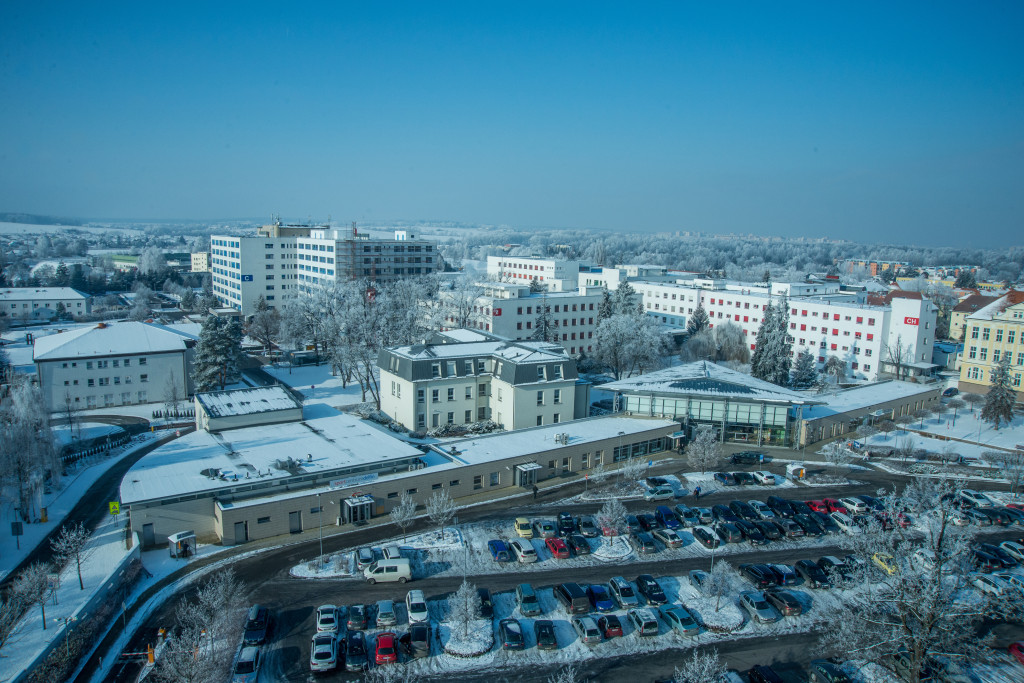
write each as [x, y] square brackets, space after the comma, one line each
[323, 450]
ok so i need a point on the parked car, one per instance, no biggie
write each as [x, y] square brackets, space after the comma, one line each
[854, 505]
[748, 458]
[976, 499]
[643, 621]
[544, 632]
[728, 532]
[323, 652]
[523, 528]
[950, 392]
[679, 620]
[364, 558]
[544, 528]
[610, 626]
[416, 643]
[751, 532]
[670, 538]
[666, 518]
[486, 603]
[578, 544]
[780, 506]
[872, 502]
[743, 510]
[1016, 515]
[975, 516]
[789, 528]
[566, 523]
[648, 522]
[386, 615]
[989, 584]
[1016, 651]
[355, 651]
[758, 607]
[1013, 549]
[587, 527]
[846, 523]
[817, 506]
[723, 513]
[511, 635]
[386, 651]
[835, 568]
[600, 598]
[763, 674]
[391, 552]
[257, 623]
[622, 592]
[650, 590]
[700, 580]
[687, 516]
[985, 562]
[765, 478]
[998, 517]
[356, 618]
[768, 529]
[808, 524]
[826, 523]
[327, 619]
[744, 478]
[785, 601]
[573, 597]
[886, 562]
[760, 575]
[499, 551]
[706, 537]
[524, 551]
[824, 671]
[761, 508]
[812, 574]
[558, 548]
[834, 505]
[725, 479]
[705, 516]
[246, 667]
[1005, 558]
[633, 524]
[526, 598]
[785, 575]
[416, 606]
[586, 629]
[659, 493]
[643, 542]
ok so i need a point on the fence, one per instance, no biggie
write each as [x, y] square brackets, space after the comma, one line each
[169, 414]
[96, 446]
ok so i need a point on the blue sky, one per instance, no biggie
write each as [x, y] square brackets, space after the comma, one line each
[896, 121]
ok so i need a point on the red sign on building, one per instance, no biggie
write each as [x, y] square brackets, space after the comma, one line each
[911, 321]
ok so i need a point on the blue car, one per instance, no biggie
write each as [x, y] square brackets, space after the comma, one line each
[725, 478]
[600, 598]
[666, 517]
[499, 551]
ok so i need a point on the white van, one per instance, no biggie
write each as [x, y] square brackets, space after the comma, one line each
[388, 570]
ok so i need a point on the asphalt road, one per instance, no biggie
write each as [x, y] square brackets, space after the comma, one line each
[293, 601]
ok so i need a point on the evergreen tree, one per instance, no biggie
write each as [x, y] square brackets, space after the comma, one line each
[767, 277]
[604, 309]
[759, 366]
[62, 277]
[781, 345]
[218, 354]
[965, 279]
[1001, 397]
[545, 327]
[625, 298]
[698, 321]
[804, 373]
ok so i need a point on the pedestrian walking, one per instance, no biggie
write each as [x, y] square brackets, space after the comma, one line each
[535, 492]
[696, 493]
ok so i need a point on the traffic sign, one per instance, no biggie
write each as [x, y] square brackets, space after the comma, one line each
[115, 507]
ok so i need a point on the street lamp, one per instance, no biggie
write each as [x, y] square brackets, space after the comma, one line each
[67, 632]
[320, 510]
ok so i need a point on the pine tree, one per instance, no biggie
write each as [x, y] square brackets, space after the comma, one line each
[604, 309]
[1001, 397]
[698, 321]
[965, 279]
[782, 346]
[218, 354]
[624, 301]
[804, 373]
[545, 327]
[759, 365]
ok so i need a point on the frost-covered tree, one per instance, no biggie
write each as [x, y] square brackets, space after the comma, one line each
[440, 509]
[28, 453]
[731, 343]
[404, 513]
[837, 455]
[760, 363]
[152, 261]
[264, 325]
[698, 320]
[804, 372]
[605, 309]
[455, 303]
[723, 579]
[72, 545]
[305, 321]
[612, 516]
[922, 414]
[11, 609]
[701, 666]
[704, 452]
[545, 326]
[218, 354]
[972, 400]
[625, 299]
[1000, 399]
[464, 609]
[835, 367]
[628, 343]
[699, 346]
[567, 674]
[631, 471]
[32, 587]
[1010, 465]
[897, 353]
[965, 279]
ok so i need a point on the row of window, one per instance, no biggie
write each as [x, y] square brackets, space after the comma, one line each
[103, 364]
[107, 400]
[978, 374]
[105, 381]
[976, 353]
[986, 333]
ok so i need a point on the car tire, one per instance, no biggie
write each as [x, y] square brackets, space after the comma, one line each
[371, 581]
[402, 579]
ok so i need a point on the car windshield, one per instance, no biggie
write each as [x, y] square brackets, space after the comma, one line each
[245, 667]
[529, 599]
[512, 628]
[626, 591]
[254, 624]
[760, 604]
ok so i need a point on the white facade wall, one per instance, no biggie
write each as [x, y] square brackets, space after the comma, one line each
[556, 276]
[243, 268]
[113, 380]
[27, 302]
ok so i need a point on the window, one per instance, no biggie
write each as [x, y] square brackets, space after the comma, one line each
[555, 419]
[88, 365]
[104, 381]
[421, 421]
[469, 416]
[585, 461]
[974, 333]
[557, 371]
[451, 418]
[127, 362]
[90, 382]
[985, 334]
[557, 397]
[481, 367]
[468, 367]
[451, 393]
[411, 492]
[469, 391]
[999, 335]
[540, 420]
[499, 394]
[142, 361]
[263, 520]
[435, 395]
[435, 369]
[540, 398]
[1010, 335]
[495, 478]
[421, 395]
[435, 487]
[392, 494]
[478, 482]
[983, 353]
[451, 368]
[540, 372]
[481, 390]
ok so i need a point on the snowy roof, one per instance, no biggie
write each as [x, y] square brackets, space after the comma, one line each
[1011, 298]
[249, 401]
[202, 462]
[521, 352]
[108, 339]
[483, 449]
[188, 330]
[30, 293]
[707, 380]
[867, 395]
[462, 335]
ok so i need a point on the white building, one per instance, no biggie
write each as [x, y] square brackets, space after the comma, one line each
[42, 302]
[112, 365]
[201, 262]
[245, 268]
[517, 385]
[554, 275]
[862, 330]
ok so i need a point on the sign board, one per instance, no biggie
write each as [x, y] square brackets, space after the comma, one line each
[115, 507]
[247, 278]
[911, 321]
[496, 312]
[16, 529]
[353, 481]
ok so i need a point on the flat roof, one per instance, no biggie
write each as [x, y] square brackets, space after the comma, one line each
[520, 351]
[706, 379]
[249, 401]
[202, 462]
[865, 396]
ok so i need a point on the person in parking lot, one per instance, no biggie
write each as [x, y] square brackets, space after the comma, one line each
[696, 493]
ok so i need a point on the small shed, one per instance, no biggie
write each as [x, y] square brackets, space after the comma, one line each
[795, 470]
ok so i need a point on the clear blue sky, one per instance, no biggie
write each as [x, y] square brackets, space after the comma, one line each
[901, 121]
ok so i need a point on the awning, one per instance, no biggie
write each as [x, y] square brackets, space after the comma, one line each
[677, 435]
[528, 467]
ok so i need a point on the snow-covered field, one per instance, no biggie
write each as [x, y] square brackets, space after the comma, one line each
[83, 431]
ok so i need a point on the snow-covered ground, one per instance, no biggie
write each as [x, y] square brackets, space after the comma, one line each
[83, 431]
[316, 384]
[970, 427]
[105, 550]
[59, 502]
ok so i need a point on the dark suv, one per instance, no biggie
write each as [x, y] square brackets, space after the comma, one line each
[573, 598]
[256, 623]
[748, 458]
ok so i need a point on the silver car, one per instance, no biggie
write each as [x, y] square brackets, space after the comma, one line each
[386, 615]
[670, 538]
[586, 629]
[759, 608]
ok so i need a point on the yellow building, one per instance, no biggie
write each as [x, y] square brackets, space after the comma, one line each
[993, 332]
[966, 307]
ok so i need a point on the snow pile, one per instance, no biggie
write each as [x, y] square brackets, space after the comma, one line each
[726, 619]
[861, 671]
[611, 550]
[337, 565]
[478, 641]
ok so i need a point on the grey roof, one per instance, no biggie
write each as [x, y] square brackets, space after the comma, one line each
[708, 380]
[251, 401]
[514, 362]
[108, 339]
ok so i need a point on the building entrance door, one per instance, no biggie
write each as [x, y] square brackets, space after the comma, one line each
[148, 537]
[526, 474]
[357, 510]
[295, 522]
[241, 532]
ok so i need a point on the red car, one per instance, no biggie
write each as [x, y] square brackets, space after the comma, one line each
[1016, 506]
[386, 652]
[834, 505]
[1016, 651]
[817, 505]
[610, 626]
[558, 548]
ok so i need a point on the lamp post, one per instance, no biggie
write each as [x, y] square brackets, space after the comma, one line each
[320, 510]
[67, 632]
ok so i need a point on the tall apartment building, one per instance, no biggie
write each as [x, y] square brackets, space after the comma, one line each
[873, 267]
[994, 332]
[281, 261]
[858, 329]
[516, 384]
[327, 255]
[510, 311]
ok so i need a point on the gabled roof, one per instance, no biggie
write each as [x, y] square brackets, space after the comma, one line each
[30, 293]
[973, 303]
[107, 339]
[1011, 298]
[708, 380]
